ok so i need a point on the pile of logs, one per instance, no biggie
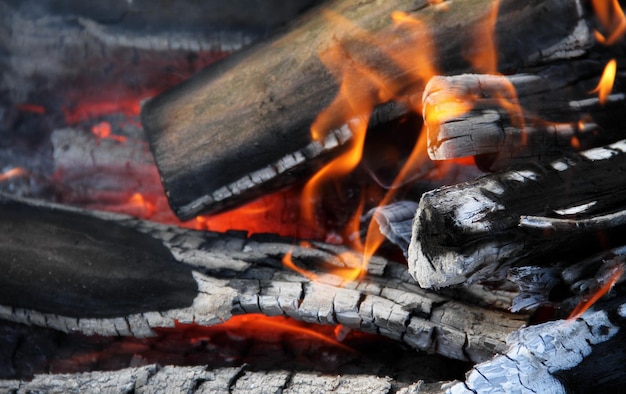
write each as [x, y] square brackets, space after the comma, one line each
[542, 230]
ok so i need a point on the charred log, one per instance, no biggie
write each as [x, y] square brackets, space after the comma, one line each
[242, 127]
[476, 230]
[213, 276]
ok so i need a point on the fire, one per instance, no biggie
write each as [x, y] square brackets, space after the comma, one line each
[606, 81]
[13, 173]
[364, 86]
[615, 275]
[269, 327]
[612, 19]
[484, 57]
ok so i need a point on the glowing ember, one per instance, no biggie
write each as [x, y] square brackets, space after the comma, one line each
[606, 81]
[585, 304]
[91, 110]
[13, 173]
[103, 130]
[269, 327]
[611, 16]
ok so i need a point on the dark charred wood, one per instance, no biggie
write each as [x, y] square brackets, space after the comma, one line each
[472, 231]
[241, 127]
[521, 117]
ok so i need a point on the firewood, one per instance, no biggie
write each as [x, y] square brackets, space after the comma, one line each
[476, 230]
[113, 283]
[559, 356]
[241, 127]
[522, 116]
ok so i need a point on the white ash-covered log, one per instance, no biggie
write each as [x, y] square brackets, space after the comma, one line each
[474, 231]
[242, 127]
[113, 275]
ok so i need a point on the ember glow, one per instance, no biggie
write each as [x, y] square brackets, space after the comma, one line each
[267, 327]
[103, 130]
[606, 81]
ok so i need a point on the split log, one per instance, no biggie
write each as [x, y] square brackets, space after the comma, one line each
[522, 116]
[241, 127]
[113, 284]
[476, 230]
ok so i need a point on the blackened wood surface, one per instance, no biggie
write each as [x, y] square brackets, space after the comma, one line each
[70, 264]
[471, 231]
[242, 125]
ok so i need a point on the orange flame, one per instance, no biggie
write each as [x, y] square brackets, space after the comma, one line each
[611, 16]
[13, 173]
[273, 325]
[484, 57]
[606, 81]
[588, 302]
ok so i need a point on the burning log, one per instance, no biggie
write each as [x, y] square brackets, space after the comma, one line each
[242, 127]
[113, 283]
[562, 356]
[519, 117]
[476, 230]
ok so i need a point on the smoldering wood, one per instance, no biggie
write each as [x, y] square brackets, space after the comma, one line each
[562, 356]
[213, 277]
[521, 117]
[471, 231]
[28, 351]
[241, 127]
[57, 53]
